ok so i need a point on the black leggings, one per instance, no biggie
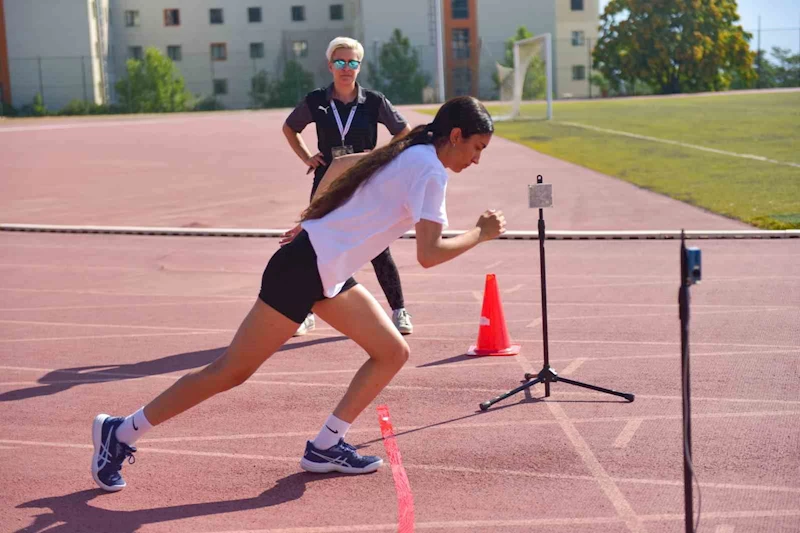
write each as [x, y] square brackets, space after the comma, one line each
[385, 267]
[389, 278]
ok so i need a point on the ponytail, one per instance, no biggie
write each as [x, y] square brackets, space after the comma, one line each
[464, 112]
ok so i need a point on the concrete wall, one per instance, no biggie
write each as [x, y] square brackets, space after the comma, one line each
[49, 51]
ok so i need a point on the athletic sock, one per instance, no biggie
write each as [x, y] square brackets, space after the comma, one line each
[133, 428]
[332, 430]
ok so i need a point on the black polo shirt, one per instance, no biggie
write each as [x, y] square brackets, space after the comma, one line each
[373, 108]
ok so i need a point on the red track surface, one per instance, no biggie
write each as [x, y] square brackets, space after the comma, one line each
[92, 323]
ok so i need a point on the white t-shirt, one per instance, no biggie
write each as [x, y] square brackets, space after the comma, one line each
[409, 188]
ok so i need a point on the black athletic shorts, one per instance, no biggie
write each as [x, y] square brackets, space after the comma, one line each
[290, 283]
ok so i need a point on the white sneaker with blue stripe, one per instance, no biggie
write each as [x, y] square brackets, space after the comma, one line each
[109, 453]
[341, 457]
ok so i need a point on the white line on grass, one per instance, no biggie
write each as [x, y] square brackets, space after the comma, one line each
[682, 144]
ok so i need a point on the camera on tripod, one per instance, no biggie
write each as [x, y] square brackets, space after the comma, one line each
[693, 260]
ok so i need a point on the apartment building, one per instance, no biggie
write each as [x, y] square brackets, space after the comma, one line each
[77, 49]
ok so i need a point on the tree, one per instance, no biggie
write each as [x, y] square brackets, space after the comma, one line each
[152, 85]
[397, 73]
[787, 70]
[765, 74]
[535, 85]
[292, 87]
[673, 46]
[285, 92]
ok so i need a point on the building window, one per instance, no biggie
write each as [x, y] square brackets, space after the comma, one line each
[337, 12]
[219, 51]
[578, 38]
[460, 9]
[135, 52]
[215, 16]
[175, 53]
[172, 17]
[461, 43]
[577, 5]
[300, 48]
[220, 86]
[462, 81]
[131, 19]
[256, 50]
[253, 14]
[298, 13]
[578, 72]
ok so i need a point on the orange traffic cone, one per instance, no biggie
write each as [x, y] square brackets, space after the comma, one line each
[492, 334]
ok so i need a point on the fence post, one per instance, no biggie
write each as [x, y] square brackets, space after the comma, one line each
[83, 79]
[41, 85]
[130, 88]
[211, 64]
[758, 57]
[589, 66]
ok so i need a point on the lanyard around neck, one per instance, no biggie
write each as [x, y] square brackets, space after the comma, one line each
[343, 129]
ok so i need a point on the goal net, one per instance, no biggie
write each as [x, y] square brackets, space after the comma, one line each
[527, 88]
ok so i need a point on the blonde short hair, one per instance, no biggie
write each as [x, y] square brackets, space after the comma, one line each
[347, 43]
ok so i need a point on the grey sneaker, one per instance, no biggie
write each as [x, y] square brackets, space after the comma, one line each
[402, 321]
[341, 457]
[308, 325]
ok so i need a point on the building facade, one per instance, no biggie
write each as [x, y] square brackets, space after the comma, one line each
[55, 48]
[77, 49]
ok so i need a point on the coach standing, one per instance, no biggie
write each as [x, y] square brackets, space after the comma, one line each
[347, 117]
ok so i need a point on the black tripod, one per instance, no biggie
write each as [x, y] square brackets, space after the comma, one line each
[547, 375]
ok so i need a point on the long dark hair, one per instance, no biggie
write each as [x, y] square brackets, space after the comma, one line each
[464, 112]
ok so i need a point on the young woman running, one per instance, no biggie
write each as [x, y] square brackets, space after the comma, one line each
[354, 215]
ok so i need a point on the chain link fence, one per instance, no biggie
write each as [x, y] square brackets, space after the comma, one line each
[226, 77]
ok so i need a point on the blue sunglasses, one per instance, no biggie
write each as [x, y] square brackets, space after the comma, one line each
[339, 64]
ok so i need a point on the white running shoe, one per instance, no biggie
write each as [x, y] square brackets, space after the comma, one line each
[402, 321]
[308, 325]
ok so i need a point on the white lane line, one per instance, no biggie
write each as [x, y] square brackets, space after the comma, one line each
[573, 366]
[627, 433]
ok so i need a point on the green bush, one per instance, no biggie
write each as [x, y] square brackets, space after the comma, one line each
[80, 107]
[209, 103]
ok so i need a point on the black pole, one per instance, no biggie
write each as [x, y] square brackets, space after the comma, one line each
[41, 83]
[83, 79]
[683, 300]
[544, 293]
[589, 67]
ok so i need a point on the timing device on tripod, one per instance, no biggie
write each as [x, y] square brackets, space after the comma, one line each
[541, 196]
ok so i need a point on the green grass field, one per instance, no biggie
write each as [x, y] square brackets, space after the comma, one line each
[766, 195]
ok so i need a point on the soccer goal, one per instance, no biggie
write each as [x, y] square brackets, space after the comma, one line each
[531, 79]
